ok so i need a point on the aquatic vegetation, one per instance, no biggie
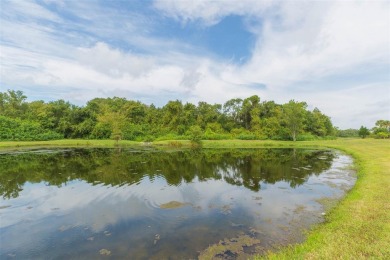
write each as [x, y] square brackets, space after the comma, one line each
[229, 248]
[173, 205]
[105, 252]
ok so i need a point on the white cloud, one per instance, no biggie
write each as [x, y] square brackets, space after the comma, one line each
[309, 39]
[27, 10]
[210, 12]
[330, 41]
[296, 42]
[114, 62]
[300, 41]
[354, 106]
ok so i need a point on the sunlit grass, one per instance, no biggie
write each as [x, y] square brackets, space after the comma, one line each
[66, 143]
[358, 227]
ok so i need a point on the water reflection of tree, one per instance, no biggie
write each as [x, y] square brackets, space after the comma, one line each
[242, 167]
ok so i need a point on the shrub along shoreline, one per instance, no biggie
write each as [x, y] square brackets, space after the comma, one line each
[358, 227]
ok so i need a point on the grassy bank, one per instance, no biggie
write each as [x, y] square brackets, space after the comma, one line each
[358, 227]
[66, 143]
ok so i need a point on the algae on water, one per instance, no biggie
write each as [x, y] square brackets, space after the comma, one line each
[105, 252]
[172, 205]
[229, 248]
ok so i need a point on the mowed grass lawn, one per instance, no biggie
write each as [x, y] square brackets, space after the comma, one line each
[358, 227]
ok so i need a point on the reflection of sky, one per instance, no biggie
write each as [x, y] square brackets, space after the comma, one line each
[39, 210]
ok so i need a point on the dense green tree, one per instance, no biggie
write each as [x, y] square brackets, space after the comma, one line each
[364, 132]
[382, 129]
[134, 111]
[232, 110]
[207, 113]
[190, 115]
[318, 123]
[173, 116]
[16, 129]
[271, 116]
[385, 124]
[119, 118]
[294, 117]
[250, 112]
[195, 134]
[348, 132]
[12, 104]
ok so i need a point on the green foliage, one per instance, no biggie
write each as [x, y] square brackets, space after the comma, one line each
[348, 133]
[382, 129]
[22, 130]
[214, 131]
[148, 138]
[318, 123]
[363, 132]
[294, 117]
[133, 132]
[172, 136]
[121, 119]
[12, 103]
[247, 136]
[382, 135]
[195, 134]
[101, 131]
[214, 136]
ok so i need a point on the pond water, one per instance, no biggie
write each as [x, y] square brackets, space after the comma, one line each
[150, 204]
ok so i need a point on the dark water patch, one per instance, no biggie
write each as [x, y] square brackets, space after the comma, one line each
[126, 203]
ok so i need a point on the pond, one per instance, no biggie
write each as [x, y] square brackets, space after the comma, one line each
[151, 204]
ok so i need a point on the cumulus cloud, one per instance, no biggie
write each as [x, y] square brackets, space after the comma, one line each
[113, 62]
[302, 42]
[301, 47]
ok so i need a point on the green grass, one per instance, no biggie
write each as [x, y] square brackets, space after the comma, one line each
[66, 143]
[358, 227]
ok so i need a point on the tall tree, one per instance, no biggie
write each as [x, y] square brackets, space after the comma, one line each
[208, 113]
[318, 124]
[12, 104]
[250, 111]
[231, 113]
[363, 132]
[382, 129]
[294, 117]
[173, 116]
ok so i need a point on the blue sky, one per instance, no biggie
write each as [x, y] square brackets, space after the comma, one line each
[335, 55]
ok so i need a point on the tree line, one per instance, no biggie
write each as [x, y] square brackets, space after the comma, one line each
[381, 130]
[119, 118]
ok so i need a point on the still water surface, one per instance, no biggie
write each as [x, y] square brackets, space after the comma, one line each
[149, 204]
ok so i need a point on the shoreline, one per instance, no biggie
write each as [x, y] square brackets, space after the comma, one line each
[357, 227]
